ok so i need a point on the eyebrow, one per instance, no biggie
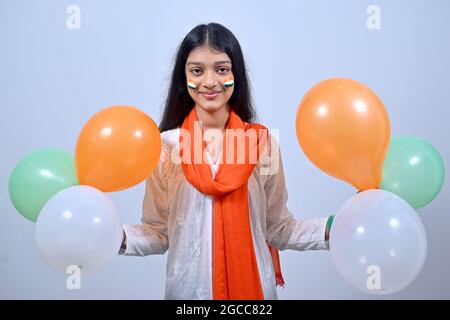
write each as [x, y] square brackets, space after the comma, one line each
[202, 64]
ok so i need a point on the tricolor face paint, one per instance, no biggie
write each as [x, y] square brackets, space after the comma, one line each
[229, 83]
[191, 85]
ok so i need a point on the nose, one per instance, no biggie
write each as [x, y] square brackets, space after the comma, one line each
[210, 80]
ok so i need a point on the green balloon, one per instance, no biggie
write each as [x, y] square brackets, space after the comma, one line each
[39, 176]
[413, 170]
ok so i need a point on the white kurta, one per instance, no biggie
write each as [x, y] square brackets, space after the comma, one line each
[178, 218]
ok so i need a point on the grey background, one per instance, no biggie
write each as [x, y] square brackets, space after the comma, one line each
[53, 79]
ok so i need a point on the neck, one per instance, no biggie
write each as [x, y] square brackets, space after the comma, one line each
[213, 120]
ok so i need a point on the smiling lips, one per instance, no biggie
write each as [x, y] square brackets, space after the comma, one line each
[210, 95]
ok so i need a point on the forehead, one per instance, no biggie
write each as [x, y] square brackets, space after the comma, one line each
[207, 55]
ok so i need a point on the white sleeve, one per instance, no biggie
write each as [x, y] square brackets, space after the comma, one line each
[283, 230]
[150, 237]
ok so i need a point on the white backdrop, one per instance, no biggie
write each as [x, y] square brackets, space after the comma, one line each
[53, 78]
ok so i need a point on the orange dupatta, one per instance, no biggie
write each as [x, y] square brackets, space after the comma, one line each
[235, 270]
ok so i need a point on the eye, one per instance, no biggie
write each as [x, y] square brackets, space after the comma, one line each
[196, 71]
[223, 69]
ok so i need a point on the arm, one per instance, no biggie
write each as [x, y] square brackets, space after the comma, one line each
[150, 237]
[283, 230]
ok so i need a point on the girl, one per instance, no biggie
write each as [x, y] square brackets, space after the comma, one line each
[223, 221]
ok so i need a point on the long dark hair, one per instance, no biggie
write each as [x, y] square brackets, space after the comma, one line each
[179, 103]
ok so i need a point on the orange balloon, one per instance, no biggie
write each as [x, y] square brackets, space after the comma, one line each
[343, 128]
[117, 148]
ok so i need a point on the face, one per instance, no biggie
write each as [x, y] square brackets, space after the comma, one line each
[210, 78]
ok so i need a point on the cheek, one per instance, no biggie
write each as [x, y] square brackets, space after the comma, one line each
[193, 94]
[229, 93]
[192, 87]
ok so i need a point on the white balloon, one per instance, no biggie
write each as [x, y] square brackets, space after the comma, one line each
[378, 242]
[78, 226]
